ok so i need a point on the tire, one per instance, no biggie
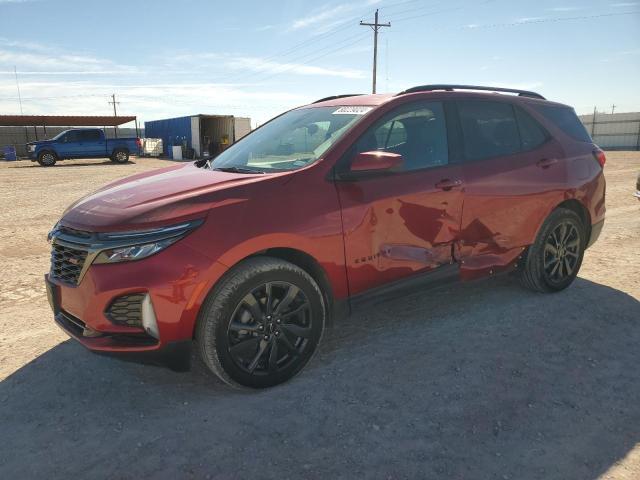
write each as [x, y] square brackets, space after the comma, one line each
[47, 159]
[553, 262]
[120, 155]
[249, 341]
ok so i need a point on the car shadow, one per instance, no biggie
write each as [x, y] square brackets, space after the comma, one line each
[478, 380]
[73, 164]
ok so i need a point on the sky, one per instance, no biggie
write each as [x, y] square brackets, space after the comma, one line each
[257, 58]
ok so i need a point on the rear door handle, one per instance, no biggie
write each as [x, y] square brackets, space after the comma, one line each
[446, 184]
[546, 162]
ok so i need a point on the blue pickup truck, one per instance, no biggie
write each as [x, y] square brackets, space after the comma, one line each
[82, 143]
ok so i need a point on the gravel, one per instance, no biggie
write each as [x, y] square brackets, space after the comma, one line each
[478, 380]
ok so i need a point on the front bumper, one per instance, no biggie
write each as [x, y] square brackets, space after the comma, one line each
[137, 348]
[175, 280]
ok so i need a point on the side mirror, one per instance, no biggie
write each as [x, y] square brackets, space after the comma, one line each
[376, 161]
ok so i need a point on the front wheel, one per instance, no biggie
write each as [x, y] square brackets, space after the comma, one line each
[120, 156]
[47, 159]
[553, 261]
[262, 324]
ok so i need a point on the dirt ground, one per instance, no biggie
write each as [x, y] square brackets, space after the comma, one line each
[481, 380]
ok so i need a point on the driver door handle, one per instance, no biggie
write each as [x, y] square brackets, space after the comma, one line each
[546, 162]
[447, 184]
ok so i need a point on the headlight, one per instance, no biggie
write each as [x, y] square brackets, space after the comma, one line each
[129, 246]
[31, 148]
[135, 252]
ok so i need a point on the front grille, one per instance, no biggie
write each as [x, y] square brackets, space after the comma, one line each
[126, 310]
[67, 263]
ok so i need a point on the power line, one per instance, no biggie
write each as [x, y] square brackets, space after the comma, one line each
[375, 26]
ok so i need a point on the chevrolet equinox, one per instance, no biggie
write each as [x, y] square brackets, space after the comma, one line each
[246, 257]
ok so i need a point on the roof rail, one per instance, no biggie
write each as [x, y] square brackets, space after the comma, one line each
[450, 88]
[335, 97]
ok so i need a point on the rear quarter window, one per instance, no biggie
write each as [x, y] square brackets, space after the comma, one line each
[532, 134]
[565, 119]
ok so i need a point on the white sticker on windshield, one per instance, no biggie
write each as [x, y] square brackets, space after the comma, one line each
[353, 110]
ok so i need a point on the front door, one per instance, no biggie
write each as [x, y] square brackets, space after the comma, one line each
[403, 222]
[70, 145]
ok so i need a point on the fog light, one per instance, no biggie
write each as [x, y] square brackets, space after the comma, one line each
[149, 317]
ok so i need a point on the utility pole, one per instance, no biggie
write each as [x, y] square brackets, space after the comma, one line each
[26, 132]
[115, 113]
[375, 27]
[113, 101]
[15, 72]
[593, 123]
[613, 107]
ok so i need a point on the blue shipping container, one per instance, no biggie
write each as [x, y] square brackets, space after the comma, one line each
[172, 131]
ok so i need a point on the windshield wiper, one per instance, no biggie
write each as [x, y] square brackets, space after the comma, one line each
[237, 170]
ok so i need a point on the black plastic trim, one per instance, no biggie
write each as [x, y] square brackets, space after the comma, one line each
[438, 277]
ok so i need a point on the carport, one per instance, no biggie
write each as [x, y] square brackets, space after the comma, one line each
[18, 130]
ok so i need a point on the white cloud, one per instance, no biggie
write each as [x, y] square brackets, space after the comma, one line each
[529, 19]
[321, 16]
[267, 66]
[322, 20]
[565, 9]
[625, 4]
[36, 58]
[153, 101]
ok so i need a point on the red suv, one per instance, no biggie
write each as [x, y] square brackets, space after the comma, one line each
[249, 255]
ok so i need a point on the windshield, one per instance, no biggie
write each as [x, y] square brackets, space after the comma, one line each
[291, 141]
[60, 135]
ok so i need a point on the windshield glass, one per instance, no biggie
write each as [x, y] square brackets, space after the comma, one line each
[60, 135]
[291, 141]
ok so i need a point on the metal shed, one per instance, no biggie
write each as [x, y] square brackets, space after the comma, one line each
[198, 131]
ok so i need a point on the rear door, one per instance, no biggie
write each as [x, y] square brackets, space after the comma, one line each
[93, 143]
[401, 222]
[513, 172]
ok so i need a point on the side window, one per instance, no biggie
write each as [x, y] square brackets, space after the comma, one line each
[531, 132]
[91, 135]
[72, 136]
[417, 132]
[489, 129]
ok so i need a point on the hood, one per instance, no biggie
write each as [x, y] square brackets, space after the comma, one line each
[41, 142]
[159, 197]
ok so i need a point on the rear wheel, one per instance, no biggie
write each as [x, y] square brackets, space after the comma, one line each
[554, 260]
[47, 159]
[120, 156]
[262, 324]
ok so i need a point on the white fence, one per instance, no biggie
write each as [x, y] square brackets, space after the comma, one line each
[614, 131]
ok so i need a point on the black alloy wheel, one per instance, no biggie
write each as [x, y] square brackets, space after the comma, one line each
[552, 262]
[270, 328]
[261, 324]
[561, 252]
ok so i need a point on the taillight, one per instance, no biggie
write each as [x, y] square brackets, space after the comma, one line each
[600, 157]
[139, 142]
